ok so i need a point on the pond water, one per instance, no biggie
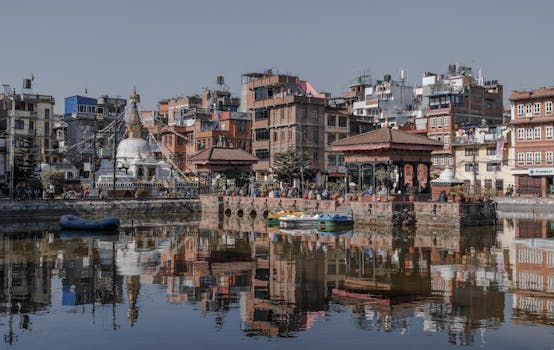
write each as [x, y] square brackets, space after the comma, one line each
[200, 283]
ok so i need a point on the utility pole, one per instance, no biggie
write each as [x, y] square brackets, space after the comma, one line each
[11, 121]
[114, 153]
[474, 165]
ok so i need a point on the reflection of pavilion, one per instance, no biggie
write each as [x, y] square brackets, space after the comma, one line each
[405, 154]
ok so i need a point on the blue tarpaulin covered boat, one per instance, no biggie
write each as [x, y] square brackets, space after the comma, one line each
[334, 222]
[72, 222]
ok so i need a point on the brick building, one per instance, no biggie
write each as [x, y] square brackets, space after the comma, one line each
[286, 111]
[455, 100]
[533, 128]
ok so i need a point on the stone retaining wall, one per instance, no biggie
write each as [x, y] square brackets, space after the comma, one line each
[31, 209]
[437, 214]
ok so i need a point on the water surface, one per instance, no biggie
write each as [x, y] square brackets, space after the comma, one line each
[236, 284]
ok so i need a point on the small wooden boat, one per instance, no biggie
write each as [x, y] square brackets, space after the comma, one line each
[72, 222]
[273, 218]
[289, 221]
[335, 222]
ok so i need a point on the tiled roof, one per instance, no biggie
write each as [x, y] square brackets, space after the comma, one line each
[386, 135]
[523, 95]
[223, 155]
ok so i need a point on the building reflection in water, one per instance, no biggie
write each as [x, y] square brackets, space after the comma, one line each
[282, 282]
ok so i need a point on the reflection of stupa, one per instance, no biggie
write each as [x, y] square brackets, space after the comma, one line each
[136, 168]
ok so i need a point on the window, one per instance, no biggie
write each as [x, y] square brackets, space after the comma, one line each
[521, 158]
[31, 125]
[315, 156]
[316, 137]
[529, 158]
[343, 122]
[528, 134]
[19, 125]
[260, 93]
[520, 110]
[537, 133]
[262, 154]
[537, 109]
[315, 113]
[331, 120]
[261, 113]
[82, 109]
[435, 160]
[528, 109]
[30, 107]
[439, 123]
[241, 125]
[180, 140]
[538, 159]
[446, 121]
[520, 134]
[548, 131]
[442, 161]
[432, 123]
[341, 160]
[331, 160]
[549, 157]
[499, 183]
[470, 151]
[491, 167]
[262, 134]
[491, 151]
[446, 141]
[47, 114]
[469, 167]
[548, 107]
[275, 136]
[300, 112]
[290, 134]
[331, 138]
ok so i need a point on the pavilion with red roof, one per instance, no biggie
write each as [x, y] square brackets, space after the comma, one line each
[405, 156]
[217, 159]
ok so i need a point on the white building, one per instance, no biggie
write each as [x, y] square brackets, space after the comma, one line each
[387, 101]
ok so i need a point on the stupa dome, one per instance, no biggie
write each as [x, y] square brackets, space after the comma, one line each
[132, 147]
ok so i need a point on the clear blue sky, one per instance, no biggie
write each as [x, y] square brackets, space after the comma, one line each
[170, 47]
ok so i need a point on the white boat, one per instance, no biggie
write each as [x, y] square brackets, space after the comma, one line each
[288, 221]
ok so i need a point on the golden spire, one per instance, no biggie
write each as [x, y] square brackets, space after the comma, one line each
[133, 125]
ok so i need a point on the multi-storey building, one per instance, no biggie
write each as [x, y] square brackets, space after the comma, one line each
[387, 101]
[356, 91]
[286, 112]
[337, 127]
[84, 136]
[483, 159]
[456, 100]
[533, 124]
[195, 131]
[29, 128]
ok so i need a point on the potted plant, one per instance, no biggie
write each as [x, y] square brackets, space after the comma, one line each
[457, 192]
[410, 191]
[489, 192]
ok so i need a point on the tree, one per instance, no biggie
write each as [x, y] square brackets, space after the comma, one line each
[54, 177]
[293, 164]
